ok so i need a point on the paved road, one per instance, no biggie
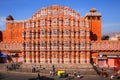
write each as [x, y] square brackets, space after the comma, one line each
[33, 76]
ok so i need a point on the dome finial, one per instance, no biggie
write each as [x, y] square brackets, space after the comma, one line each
[9, 18]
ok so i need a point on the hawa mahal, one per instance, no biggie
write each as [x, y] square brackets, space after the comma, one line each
[59, 35]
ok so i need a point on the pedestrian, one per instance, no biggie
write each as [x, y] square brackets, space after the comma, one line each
[75, 74]
[50, 73]
[104, 73]
[7, 68]
[111, 77]
[33, 69]
[12, 66]
[38, 76]
[78, 74]
[53, 69]
[40, 66]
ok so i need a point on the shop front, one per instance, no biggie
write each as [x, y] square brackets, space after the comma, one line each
[109, 60]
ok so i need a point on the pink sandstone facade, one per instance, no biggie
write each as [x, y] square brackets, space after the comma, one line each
[59, 35]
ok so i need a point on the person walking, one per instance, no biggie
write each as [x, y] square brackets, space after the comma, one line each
[38, 76]
[53, 70]
[50, 73]
[7, 68]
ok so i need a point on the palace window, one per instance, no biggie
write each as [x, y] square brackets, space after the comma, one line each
[48, 23]
[82, 32]
[72, 33]
[32, 34]
[43, 43]
[61, 10]
[27, 44]
[42, 23]
[28, 34]
[32, 44]
[65, 12]
[87, 23]
[54, 22]
[23, 34]
[72, 45]
[48, 33]
[66, 32]
[42, 32]
[54, 43]
[66, 22]
[27, 25]
[37, 33]
[32, 24]
[43, 12]
[77, 44]
[37, 23]
[66, 44]
[60, 44]
[55, 32]
[76, 23]
[60, 33]
[83, 44]
[54, 12]
[82, 24]
[72, 22]
[49, 11]
[48, 44]
[72, 14]
[60, 22]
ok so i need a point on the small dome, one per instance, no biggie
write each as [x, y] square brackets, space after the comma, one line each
[93, 10]
[9, 18]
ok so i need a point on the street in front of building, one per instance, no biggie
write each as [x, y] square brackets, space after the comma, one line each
[34, 76]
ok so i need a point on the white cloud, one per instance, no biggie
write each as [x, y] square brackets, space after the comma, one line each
[2, 21]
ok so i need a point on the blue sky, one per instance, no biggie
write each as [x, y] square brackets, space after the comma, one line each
[23, 9]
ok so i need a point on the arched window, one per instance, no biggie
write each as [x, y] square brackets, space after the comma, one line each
[60, 22]
[55, 43]
[66, 22]
[42, 22]
[55, 32]
[54, 12]
[54, 22]
[66, 32]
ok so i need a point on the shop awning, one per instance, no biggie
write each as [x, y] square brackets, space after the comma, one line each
[110, 53]
[102, 57]
[3, 55]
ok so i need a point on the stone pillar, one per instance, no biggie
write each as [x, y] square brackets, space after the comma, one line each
[88, 57]
[54, 58]
[42, 57]
[48, 57]
[60, 57]
[66, 57]
[82, 57]
[45, 55]
[24, 57]
[27, 57]
[77, 57]
[32, 57]
[72, 57]
[37, 57]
